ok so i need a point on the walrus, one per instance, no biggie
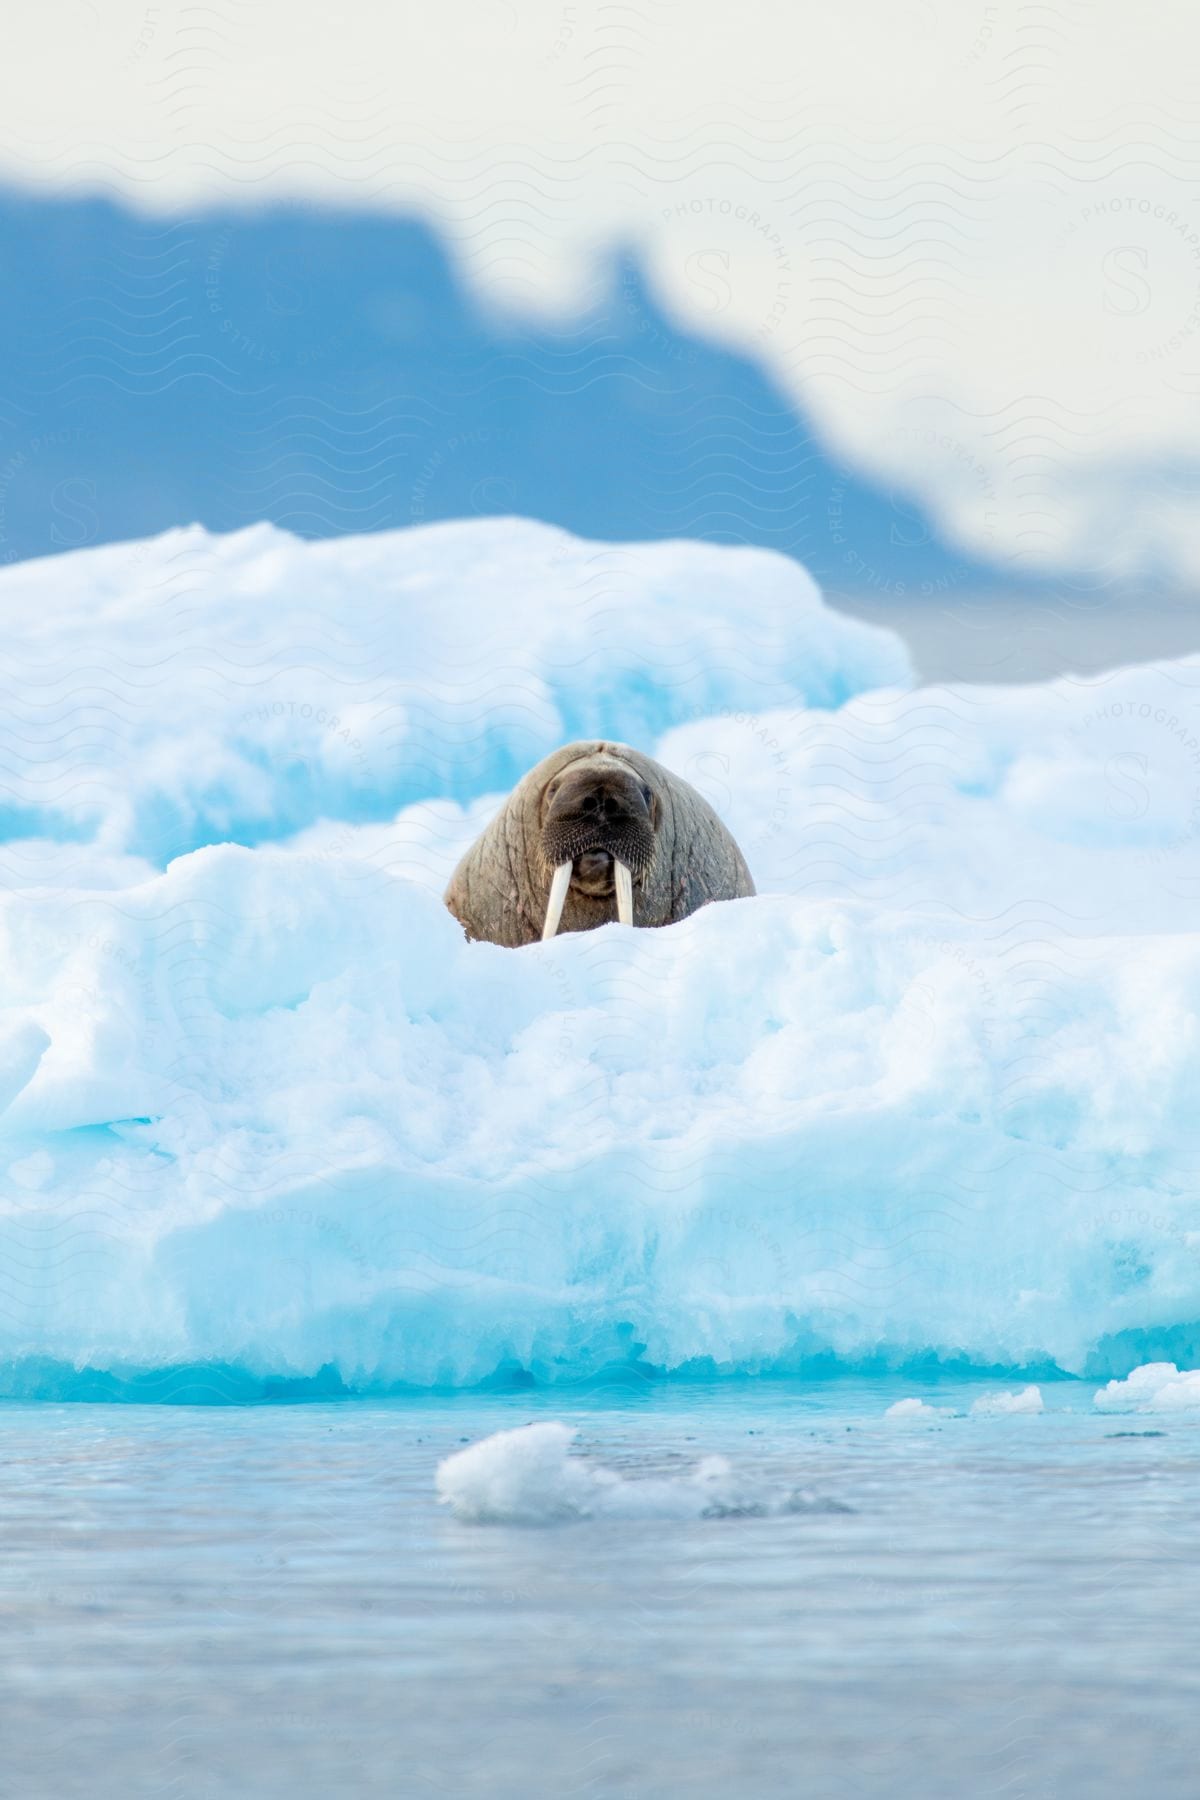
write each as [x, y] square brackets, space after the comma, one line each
[595, 832]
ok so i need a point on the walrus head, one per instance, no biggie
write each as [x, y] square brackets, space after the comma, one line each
[597, 828]
[599, 820]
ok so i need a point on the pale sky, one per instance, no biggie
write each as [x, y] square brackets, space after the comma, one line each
[964, 237]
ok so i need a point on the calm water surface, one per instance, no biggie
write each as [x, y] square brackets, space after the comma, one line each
[269, 1601]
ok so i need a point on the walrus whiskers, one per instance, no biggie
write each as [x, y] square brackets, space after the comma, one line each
[623, 882]
[557, 900]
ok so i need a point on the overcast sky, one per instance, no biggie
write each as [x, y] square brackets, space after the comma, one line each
[964, 237]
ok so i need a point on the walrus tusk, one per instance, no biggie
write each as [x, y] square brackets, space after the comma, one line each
[623, 881]
[557, 900]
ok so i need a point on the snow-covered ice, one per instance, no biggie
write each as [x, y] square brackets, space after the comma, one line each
[1072, 805]
[932, 1093]
[163, 695]
[285, 1124]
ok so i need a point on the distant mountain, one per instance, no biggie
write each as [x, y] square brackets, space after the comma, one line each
[329, 372]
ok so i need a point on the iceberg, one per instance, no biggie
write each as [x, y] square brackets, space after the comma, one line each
[266, 1118]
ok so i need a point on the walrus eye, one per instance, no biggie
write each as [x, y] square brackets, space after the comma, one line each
[647, 796]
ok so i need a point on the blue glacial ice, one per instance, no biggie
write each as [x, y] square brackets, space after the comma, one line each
[264, 1112]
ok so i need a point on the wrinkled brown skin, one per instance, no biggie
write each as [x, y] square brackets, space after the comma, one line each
[499, 890]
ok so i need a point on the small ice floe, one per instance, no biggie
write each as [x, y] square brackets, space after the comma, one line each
[529, 1477]
[913, 1410]
[1029, 1400]
[1154, 1387]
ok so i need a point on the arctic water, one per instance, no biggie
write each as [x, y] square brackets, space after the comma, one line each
[273, 1600]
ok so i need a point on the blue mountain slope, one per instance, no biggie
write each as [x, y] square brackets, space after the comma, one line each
[330, 373]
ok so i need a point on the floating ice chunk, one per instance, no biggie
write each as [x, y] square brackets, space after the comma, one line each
[913, 1409]
[529, 1477]
[1154, 1387]
[522, 1477]
[1029, 1400]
